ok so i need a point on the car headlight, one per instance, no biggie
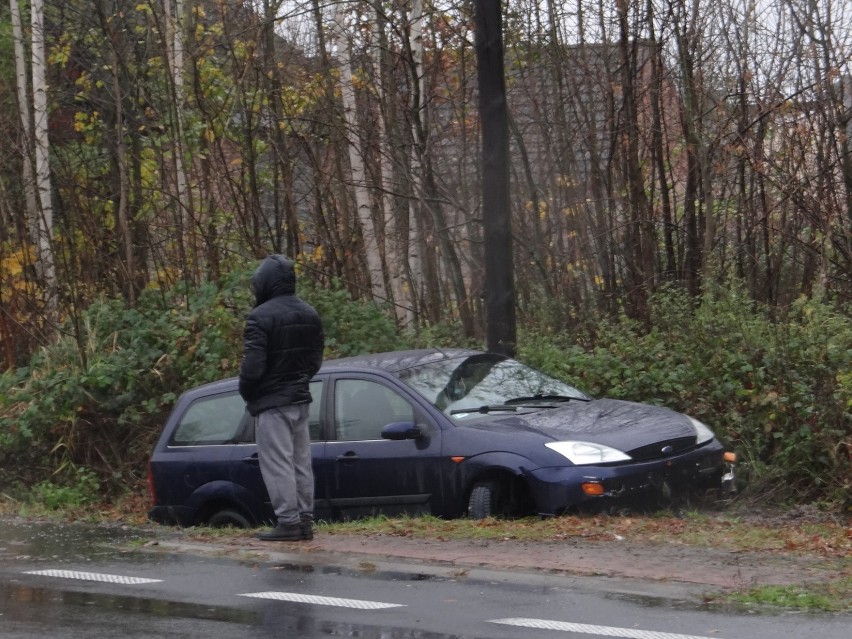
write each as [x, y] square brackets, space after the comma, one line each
[702, 433]
[585, 453]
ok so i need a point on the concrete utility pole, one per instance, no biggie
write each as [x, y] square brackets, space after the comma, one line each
[501, 327]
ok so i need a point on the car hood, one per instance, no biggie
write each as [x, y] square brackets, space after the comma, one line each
[620, 424]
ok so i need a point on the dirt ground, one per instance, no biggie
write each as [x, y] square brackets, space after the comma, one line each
[609, 554]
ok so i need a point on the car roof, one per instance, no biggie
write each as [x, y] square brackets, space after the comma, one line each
[396, 361]
[392, 362]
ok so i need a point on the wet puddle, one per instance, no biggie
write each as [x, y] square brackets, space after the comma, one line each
[64, 541]
[61, 609]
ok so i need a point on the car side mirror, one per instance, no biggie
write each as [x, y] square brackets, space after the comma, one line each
[402, 430]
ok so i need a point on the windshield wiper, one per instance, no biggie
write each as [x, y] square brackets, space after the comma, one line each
[536, 402]
[496, 408]
[540, 397]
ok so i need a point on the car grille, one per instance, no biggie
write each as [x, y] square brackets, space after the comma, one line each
[660, 450]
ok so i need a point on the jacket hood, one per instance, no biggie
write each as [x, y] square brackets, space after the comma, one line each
[275, 276]
[620, 424]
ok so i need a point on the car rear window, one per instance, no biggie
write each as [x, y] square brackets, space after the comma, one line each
[223, 419]
[218, 419]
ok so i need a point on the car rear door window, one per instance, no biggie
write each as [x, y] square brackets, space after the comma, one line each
[223, 419]
[314, 423]
[214, 420]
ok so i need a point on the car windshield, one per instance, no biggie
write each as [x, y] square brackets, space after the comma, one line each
[462, 387]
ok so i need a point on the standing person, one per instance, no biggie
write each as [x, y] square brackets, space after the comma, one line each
[282, 350]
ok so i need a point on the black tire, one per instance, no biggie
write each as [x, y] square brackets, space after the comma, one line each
[228, 518]
[484, 500]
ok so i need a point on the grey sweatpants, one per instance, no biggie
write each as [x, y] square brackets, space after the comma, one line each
[284, 450]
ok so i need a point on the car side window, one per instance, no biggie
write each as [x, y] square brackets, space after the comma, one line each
[314, 411]
[363, 407]
[223, 419]
[314, 424]
[217, 419]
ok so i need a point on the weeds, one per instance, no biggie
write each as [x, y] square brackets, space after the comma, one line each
[832, 596]
[729, 532]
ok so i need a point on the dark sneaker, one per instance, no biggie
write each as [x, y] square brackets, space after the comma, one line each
[289, 532]
[307, 530]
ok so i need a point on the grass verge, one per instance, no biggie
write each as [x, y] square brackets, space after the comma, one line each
[727, 532]
[832, 596]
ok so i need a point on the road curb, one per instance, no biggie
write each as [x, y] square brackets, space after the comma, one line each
[307, 557]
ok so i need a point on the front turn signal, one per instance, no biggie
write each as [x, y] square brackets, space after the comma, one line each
[730, 457]
[592, 488]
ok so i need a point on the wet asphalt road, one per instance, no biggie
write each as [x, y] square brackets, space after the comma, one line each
[76, 580]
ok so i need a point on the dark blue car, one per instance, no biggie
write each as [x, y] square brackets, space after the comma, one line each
[447, 432]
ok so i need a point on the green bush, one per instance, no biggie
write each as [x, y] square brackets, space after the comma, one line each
[84, 491]
[776, 387]
[97, 397]
[351, 327]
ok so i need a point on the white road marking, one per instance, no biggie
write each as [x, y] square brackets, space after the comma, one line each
[322, 601]
[607, 631]
[92, 576]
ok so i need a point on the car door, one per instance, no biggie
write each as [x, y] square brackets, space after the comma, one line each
[367, 474]
[245, 467]
[194, 470]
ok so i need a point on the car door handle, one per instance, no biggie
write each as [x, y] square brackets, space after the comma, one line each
[251, 460]
[348, 457]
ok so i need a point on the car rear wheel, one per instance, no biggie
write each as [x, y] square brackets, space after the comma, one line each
[228, 518]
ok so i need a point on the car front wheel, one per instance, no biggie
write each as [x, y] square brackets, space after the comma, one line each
[484, 500]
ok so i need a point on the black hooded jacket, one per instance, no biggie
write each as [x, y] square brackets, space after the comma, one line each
[283, 340]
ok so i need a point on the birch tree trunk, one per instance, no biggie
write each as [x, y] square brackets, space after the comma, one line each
[26, 121]
[175, 47]
[42, 157]
[415, 209]
[356, 160]
[395, 246]
[658, 147]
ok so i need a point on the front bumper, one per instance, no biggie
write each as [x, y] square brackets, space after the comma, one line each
[559, 489]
